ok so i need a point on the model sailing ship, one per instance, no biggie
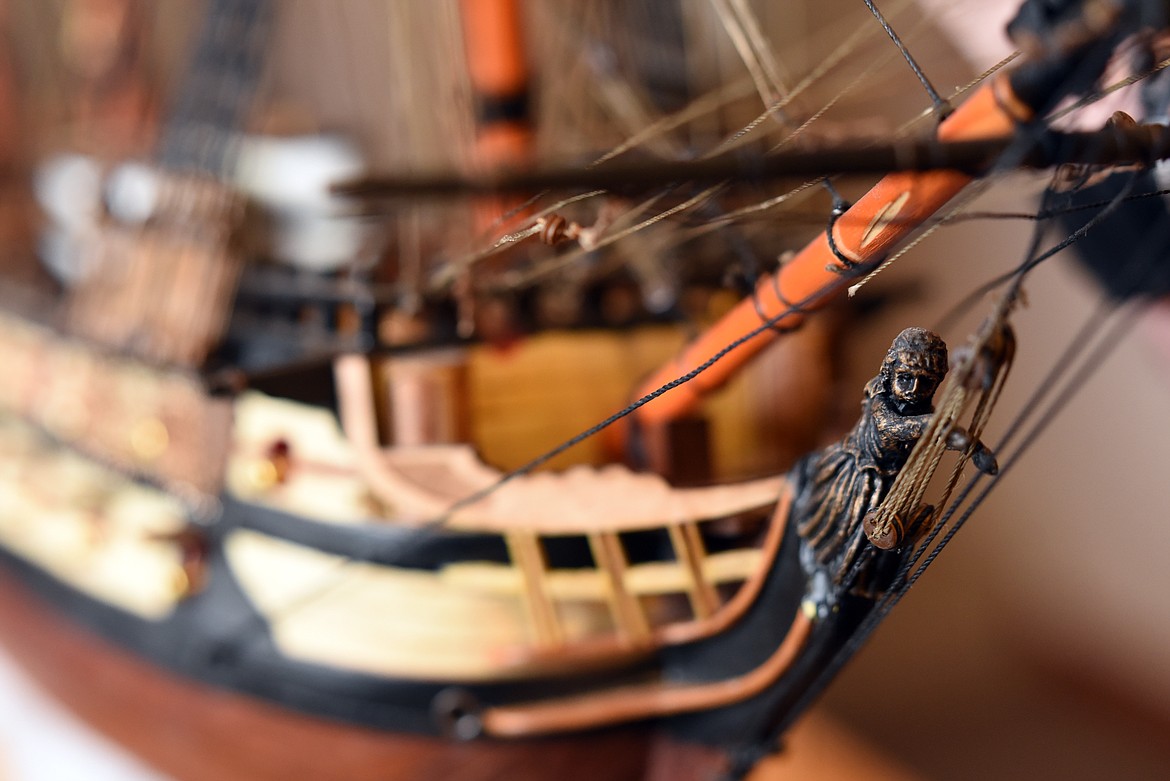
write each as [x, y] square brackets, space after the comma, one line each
[256, 542]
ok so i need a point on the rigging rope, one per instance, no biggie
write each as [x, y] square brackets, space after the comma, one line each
[882, 609]
[1045, 418]
[629, 409]
[927, 550]
[942, 107]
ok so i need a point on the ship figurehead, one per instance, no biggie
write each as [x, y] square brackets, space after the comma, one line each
[850, 545]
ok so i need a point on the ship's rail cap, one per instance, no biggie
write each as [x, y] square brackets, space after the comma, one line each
[613, 498]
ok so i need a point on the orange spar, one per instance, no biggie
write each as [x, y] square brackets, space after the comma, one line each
[867, 231]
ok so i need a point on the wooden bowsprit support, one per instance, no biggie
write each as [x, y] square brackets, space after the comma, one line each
[524, 548]
[628, 616]
[690, 552]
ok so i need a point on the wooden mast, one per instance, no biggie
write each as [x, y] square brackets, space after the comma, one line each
[863, 234]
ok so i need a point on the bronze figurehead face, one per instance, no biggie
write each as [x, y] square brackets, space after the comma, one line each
[913, 386]
[914, 367]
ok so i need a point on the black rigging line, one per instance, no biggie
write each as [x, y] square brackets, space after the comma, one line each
[796, 217]
[405, 547]
[1067, 358]
[902, 583]
[840, 206]
[769, 324]
[1075, 235]
[882, 609]
[1016, 275]
[750, 269]
[867, 627]
[1048, 214]
[1089, 364]
[1051, 381]
[942, 106]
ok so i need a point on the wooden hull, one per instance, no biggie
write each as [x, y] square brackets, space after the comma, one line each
[732, 678]
[194, 732]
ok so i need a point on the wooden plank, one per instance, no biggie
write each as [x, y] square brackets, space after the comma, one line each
[628, 615]
[524, 547]
[171, 722]
[689, 549]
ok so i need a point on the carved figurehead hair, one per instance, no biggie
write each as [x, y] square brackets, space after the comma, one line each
[916, 347]
[920, 348]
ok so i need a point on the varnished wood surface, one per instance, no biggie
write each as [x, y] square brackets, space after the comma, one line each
[193, 732]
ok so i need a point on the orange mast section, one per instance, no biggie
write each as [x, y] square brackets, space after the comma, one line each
[493, 37]
[866, 232]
